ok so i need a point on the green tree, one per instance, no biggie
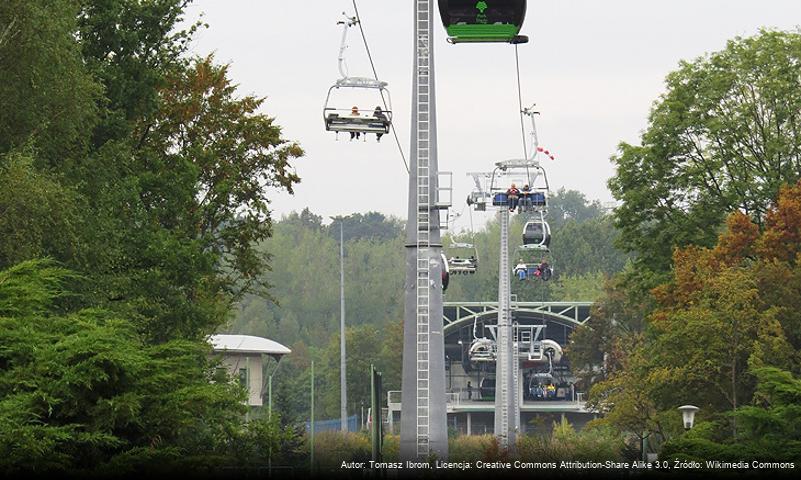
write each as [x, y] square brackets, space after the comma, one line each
[208, 160]
[80, 388]
[711, 329]
[130, 47]
[371, 225]
[724, 137]
[363, 348]
[771, 422]
[33, 205]
[47, 98]
[566, 205]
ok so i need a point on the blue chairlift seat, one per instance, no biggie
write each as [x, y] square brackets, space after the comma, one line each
[500, 199]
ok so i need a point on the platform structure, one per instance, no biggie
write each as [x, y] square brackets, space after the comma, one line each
[470, 409]
[570, 313]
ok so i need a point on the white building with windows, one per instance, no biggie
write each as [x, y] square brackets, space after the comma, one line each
[243, 355]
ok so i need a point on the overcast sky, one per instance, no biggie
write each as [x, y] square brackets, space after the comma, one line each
[593, 68]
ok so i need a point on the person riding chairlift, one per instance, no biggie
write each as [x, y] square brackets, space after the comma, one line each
[512, 194]
[379, 114]
[525, 199]
[521, 270]
[354, 112]
[544, 271]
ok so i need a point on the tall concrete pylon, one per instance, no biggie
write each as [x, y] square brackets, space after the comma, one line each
[423, 403]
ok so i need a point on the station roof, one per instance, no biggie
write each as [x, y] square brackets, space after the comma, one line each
[247, 344]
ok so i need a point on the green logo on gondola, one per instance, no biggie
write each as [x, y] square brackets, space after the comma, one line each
[481, 6]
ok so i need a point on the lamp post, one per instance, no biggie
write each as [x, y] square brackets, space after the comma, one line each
[311, 440]
[688, 415]
[343, 386]
[270, 412]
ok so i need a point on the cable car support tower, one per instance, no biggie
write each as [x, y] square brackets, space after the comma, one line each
[423, 412]
[507, 370]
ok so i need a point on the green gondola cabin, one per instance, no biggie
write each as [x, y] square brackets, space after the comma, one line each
[481, 21]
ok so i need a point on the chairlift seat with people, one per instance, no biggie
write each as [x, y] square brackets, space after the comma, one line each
[337, 121]
[357, 119]
[536, 200]
[522, 184]
[536, 384]
[462, 258]
[527, 270]
[500, 199]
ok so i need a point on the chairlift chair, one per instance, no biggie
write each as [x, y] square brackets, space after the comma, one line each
[530, 262]
[478, 201]
[521, 173]
[346, 120]
[361, 118]
[482, 21]
[462, 258]
[483, 350]
[480, 196]
[536, 383]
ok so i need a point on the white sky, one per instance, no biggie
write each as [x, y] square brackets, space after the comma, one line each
[593, 68]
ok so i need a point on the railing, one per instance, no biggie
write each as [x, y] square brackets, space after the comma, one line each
[453, 398]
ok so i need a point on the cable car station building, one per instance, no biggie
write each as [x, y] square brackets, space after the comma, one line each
[546, 384]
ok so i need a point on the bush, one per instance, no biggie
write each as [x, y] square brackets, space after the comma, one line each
[473, 447]
[332, 448]
[596, 444]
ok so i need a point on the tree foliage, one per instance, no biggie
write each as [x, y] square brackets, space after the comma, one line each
[151, 168]
[773, 421]
[724, 137]
[303, 311]
[33, 205]
[47, 98]
[80, 389]
[141, 170]
[718, 326]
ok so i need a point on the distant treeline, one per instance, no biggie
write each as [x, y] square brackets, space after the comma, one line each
[304, 286]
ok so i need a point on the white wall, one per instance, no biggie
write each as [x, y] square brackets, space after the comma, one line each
[252, 362]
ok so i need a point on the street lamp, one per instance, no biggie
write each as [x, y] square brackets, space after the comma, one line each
[343, 385]
[688, 415]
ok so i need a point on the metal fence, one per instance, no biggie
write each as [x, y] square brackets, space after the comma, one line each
[334, 425]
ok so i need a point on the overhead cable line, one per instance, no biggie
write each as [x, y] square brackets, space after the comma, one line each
[520, 104]
[375, 74]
